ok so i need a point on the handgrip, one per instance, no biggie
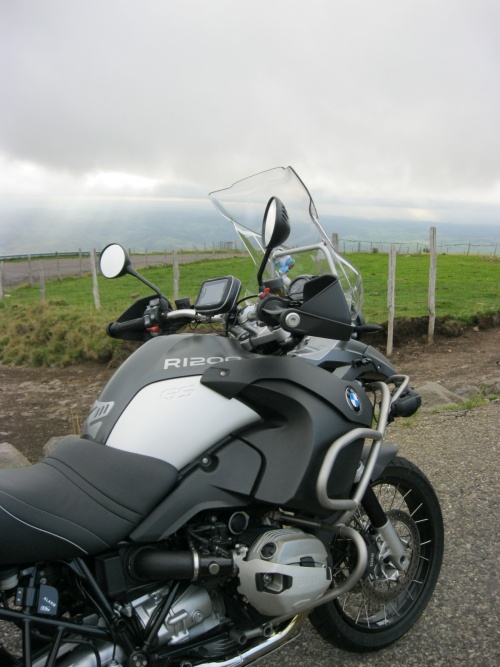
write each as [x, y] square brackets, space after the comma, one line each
[114, 329]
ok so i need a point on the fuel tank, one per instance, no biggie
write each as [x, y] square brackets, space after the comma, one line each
[156, 405]
[276, 460]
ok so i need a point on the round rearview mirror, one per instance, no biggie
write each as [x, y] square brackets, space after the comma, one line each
[114, 261]
[269, 222]
[275, 225]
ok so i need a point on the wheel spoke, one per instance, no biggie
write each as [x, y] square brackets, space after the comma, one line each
[348, 597]
[394, 609]
[367, 616]
[416, 510]
[360, 609]
[403, 498]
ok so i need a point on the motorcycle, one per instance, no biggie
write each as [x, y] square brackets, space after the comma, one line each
[227, 485]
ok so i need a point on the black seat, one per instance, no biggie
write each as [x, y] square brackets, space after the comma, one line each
[81, 499]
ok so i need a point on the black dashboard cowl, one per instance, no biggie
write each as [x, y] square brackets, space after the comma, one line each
[324, 313]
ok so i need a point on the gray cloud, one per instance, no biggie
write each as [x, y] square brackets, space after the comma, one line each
[366, 99]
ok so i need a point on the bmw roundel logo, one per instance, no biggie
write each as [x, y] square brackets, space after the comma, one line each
[353, 400]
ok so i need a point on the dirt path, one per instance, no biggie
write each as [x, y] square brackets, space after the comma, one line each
[470, 359]
[37, 404]
[15, 273]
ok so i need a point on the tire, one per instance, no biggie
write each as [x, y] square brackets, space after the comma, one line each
[384, 605]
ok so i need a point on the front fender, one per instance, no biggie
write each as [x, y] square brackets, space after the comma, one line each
[386, 455]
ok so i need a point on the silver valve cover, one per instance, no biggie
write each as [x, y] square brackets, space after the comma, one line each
[282, 571]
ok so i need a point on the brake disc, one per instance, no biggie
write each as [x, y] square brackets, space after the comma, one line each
[386, 582]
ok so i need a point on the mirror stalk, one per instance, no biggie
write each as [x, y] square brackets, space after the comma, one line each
[262, 267]
[131, 271]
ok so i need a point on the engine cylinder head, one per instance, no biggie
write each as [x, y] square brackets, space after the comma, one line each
[284, 569]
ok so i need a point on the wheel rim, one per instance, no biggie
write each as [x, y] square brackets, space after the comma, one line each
[384, 596]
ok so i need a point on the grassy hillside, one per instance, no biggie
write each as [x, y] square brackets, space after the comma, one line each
[68, 329]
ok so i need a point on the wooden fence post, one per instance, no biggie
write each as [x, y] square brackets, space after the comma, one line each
[30, 271]
[175, 261]
[391, 290]
[95, 286]
[80, 262]
[42, 283]
[1, 279]
[432, 286]
[335, 241]
[58, 267]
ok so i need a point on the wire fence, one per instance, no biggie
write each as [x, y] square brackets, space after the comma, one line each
[28, 269]
[19, 269]
[467, 281]
[412, 247]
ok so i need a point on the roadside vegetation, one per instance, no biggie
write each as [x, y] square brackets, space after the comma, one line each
[68, 329]
[479, 400]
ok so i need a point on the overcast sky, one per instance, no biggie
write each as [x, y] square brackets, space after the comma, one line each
[384, 107]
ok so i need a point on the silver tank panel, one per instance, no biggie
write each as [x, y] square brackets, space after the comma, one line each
[156, 405]
[177, 420]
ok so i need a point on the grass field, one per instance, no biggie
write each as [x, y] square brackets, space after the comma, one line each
[68, 329]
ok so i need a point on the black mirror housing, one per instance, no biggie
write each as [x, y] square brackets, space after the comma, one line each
[275, 224]
[114, 261]
[275, 231]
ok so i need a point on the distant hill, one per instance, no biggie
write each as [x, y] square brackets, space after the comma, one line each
[451, 237]
[63, 225]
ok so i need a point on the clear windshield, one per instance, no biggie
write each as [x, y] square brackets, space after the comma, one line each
[308, 249]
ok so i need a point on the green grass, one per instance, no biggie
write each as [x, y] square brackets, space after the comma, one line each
[470, 404]
[67, 329]
[54, 335]
[115, 295]
[466, 286]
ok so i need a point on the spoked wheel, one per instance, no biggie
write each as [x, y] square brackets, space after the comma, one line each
[386, 602]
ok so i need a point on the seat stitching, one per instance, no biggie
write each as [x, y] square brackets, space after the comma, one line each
[42, 530]
[55, 516]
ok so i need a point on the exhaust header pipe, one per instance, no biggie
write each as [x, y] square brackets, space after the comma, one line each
[150, 564]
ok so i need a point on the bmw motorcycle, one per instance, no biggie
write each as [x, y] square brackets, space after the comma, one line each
[227, 485]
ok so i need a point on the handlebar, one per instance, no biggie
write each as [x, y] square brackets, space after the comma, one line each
[368, 328]
[256, 325]
[188, 313]
[114, 329]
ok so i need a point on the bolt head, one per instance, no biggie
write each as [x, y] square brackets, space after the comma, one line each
[292, 320]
